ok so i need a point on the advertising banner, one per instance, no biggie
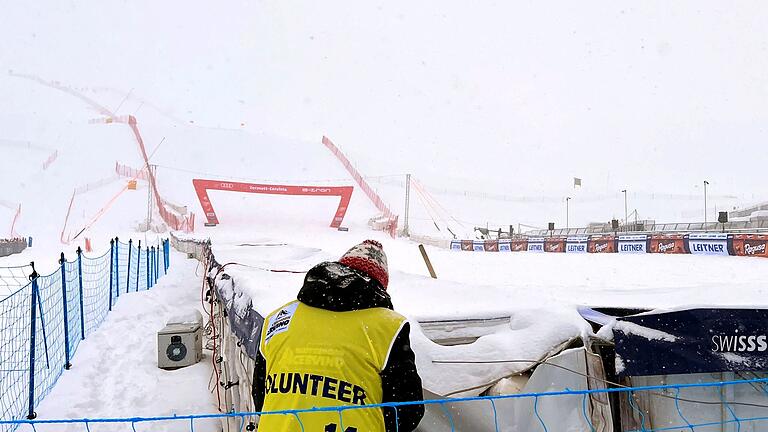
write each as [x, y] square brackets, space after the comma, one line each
[576, 244]
[633, 243]
[750, 245]
[708, 243]
[601, 244]
[504, 246]
[456, 245]
[491, 245]
[535, 244]
[520, 245]
[692, 341]
[668, 244]
[466, 245]
[478, 245]
[554, 244]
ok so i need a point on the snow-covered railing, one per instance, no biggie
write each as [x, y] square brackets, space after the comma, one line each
[43, 322]
[690, 407]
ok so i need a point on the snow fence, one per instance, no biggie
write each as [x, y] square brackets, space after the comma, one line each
[43, 321]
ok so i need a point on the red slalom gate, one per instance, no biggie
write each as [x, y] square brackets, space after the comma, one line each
[203, 186]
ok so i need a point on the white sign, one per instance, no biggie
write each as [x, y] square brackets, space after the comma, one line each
[632, 246]
[478, 246]
[708, 247]
[504, 246]
[455, 245]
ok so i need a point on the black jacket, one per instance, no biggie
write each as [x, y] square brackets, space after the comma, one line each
[336, 287]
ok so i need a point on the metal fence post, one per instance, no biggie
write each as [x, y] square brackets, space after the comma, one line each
[62, 262]
[111, 269]
[128, 273]
[154, 273]
[32, 330]
[149, 277]
[157, 264]
[138, 265]
[117, 267]
[80, 281]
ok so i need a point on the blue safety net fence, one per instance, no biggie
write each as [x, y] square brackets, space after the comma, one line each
[43, 320]
[711, 406]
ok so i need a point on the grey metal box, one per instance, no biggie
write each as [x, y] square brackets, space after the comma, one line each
[179, 345]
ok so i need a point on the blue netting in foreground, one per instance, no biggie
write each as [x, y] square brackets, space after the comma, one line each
[681, 407]
[43, 322]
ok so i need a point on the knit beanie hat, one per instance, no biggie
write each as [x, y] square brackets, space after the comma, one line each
[368, 257]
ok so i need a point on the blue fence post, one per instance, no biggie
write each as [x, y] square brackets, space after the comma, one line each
[111, 269]
[157, 264]
[117, 266]
[80, 282]
[149, 278]
[62, 262]
[138, 265]
[128, 273]
[167, 254]
[32, 330]
[154, 272]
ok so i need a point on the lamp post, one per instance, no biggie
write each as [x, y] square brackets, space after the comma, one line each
[626, 215]
[705, 204]
[567, 224]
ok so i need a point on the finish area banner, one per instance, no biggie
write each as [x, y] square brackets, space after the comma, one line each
[708, 244]
[203, 186]
[692, 341]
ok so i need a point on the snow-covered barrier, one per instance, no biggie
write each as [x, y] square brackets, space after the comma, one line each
[693, 243]
[12, 246]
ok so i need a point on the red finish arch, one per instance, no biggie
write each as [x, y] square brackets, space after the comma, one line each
[203, 186]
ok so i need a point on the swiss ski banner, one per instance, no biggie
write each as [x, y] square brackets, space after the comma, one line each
[692, 341]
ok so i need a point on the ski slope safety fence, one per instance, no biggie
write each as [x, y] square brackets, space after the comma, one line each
[690, 403]
[44, 319]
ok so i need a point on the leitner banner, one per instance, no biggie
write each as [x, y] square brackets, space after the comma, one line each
[504, 246]
[576, 244]
[633, 243]
[750, 245]
[708, 243]
[554, 244]
[692, 341]
[478, 245]
[456, 245]
[601, 244]
[668, 244]
[536, 244]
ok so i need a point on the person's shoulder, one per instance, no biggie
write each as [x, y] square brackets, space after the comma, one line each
[284, 309]
[389, 315]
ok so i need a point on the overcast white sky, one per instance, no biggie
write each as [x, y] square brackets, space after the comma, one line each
[653, 96]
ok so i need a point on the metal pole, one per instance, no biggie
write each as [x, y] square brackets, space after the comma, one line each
[705, 203]
[149, 277]
[117, 267]
[407, 204]
[80, 281]
[626, 215]
[128, 273]
[111, 269]
[138, 266]
[62, 262]
[32, 330]
[567, 221]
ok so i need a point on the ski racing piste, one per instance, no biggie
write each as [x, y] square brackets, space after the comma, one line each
[202, 187]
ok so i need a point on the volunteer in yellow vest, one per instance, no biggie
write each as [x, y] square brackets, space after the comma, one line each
[339, 344]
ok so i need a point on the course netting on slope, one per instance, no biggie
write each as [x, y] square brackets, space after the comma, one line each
[697, 407]
[43, 321]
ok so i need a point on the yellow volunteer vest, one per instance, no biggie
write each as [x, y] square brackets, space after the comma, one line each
[320, 358]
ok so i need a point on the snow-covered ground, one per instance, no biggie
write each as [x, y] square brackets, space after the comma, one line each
[114, 372]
